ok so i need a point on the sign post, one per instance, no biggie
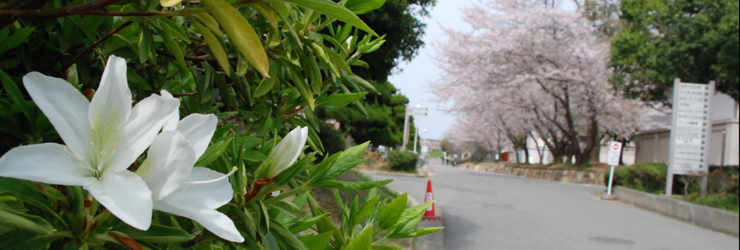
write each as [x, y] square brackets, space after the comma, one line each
[690, 131]
[411, 111]
[615, 151]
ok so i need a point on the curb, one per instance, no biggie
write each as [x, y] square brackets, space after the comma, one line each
[708, 217]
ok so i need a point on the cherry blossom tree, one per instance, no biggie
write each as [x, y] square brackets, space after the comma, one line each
[531, 69]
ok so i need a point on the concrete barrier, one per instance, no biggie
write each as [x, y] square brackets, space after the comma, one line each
[704, 216]
[568, 176]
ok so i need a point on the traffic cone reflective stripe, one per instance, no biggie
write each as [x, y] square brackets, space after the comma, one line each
[430, 213]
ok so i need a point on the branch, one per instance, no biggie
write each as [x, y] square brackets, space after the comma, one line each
[60, 12]
[96, 43]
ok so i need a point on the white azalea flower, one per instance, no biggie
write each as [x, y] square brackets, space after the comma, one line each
[284, 154]
[103, 137]
[178, 187]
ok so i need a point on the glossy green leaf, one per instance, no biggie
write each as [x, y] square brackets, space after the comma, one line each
[15, 94]
[218, 51]
[175, 30]
[305, 224]
[299, 83]
[316, 242]
[363, 6]
[241, 34]
[23, 240]
[267, 83]
[352, 186]
[15, 40]
[360, 82]
[362, 241]
[417, 233]
[209, 22]
[347, 160]
[157, 234]
[392, 211]
[410, 218]
[145, 43]
[254, 156]
[213, 152]
[26, 222]
[173, 47]
[338, 101]
[335, 10]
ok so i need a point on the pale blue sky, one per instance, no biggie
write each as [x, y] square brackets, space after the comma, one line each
[416, 76]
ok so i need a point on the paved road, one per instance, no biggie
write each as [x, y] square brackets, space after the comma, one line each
[491, 211]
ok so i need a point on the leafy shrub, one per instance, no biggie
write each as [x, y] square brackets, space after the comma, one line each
[399, 160]
[721, 201]
[644, 176]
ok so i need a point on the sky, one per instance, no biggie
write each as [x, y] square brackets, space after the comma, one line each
[413, 78]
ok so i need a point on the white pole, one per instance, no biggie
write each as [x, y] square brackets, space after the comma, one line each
[416, 136]
[611, 179]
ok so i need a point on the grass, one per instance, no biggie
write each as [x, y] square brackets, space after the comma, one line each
[436, 154]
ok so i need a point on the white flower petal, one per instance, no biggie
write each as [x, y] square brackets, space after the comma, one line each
[66, 109]
[174, 118]
[145, 121]
[198, 129]
[126, 196]
[168, 163]
[49, 163]
[288, 150]
[210, 195]
[216, 222]
[111, 106]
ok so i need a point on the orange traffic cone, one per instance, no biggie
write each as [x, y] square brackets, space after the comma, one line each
[430, 213]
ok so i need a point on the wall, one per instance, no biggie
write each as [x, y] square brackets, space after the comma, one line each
[654, 145]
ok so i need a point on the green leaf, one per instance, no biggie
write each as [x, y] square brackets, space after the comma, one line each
[218, 51]
[254, 156]
[213, 152]
[367, 209]
[209, 22]
[347, 160]
[173, 47]
[410, 218]
[22, 240]
[360, 7]
[338, 101]
[341, 64]
[417, 233]
[352, 186]
[356, 80]
[316, 242]
[15, 40]
[362, 241]
[157, 234]
[306, 224]
[361, 64]
[145, 43]
[334, 10]
[15, 94]
[241, 34]
[24, 222]
[385, 248]
[175, 29]
[287, 237]
[390, 213]
[267, 83]
[299, 83]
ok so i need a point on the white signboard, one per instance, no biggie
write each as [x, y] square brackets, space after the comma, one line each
[691, 127]
[615, 150]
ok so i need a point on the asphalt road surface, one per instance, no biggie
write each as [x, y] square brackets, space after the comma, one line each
[492, 211]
